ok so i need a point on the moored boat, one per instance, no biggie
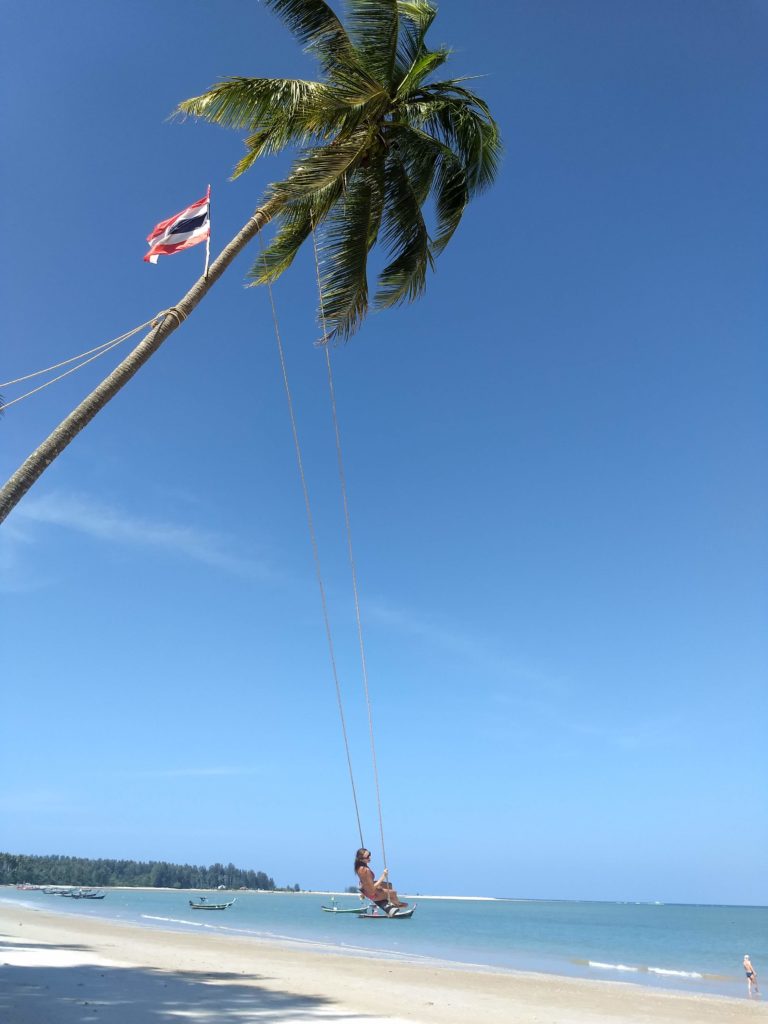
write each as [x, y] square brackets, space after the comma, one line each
[203, 904]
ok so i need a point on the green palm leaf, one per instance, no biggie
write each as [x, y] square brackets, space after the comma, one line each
[423, 66]
[377, 177]
[343, 254]
[416, 17]
[406, 237]
[282, 250]
[295, 224]
[374, 29]
[322, 167]
[433, 166]
[316, 26]
[321, 33]
[254, 102]
[461, 120]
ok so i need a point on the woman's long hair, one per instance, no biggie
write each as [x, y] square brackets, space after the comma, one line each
[361, 853]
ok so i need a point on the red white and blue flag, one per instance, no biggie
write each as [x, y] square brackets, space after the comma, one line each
[181, 231]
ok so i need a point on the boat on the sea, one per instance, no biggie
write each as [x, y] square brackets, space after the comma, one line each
[203, 904]
[333, 909]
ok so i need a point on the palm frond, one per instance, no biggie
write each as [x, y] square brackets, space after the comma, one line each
[321, 167]
[282, 250]
[416, 17]
[343, 254]
[406, 237]
[423, 66]
[295, 222]
[353, 85]
[451, 198]
[419, 155]
[463, 122]
[377, 177]
[316, 26]
[373, 28]
[478, 143]
[305, 127]
[432, 165]
[252, 103]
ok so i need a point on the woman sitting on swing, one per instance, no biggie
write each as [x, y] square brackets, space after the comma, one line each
[379, 890]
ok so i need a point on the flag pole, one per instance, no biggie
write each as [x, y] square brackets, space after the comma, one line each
[208, 239]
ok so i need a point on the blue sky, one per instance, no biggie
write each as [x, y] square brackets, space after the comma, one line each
[555, 461]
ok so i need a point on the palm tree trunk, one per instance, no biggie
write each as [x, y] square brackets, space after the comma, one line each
[34, 466]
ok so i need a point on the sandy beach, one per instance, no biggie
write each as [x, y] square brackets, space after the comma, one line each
[59, 969]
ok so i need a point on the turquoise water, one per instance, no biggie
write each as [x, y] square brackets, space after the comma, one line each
[671, 946]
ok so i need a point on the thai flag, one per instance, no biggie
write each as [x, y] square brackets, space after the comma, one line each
[181, 231]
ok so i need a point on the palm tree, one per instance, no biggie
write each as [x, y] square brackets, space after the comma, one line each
[378, 137]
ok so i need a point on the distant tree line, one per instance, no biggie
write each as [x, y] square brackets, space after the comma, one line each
[57, 870]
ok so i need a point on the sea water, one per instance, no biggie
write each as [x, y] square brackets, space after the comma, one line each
[670, 946]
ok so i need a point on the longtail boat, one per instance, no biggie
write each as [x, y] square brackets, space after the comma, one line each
[203, 904]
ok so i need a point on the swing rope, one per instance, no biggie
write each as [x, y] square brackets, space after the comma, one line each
[315, 552]
[350, 551]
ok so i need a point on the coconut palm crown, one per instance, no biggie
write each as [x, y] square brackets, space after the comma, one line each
[378, 138]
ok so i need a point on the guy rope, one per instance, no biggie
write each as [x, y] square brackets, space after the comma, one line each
[92, 353]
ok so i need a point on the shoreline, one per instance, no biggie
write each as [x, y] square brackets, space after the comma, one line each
[132, 975]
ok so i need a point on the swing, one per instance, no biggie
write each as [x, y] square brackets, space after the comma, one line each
[376, 915]
[372, 911]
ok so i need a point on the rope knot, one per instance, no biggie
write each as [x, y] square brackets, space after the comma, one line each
[172, 311]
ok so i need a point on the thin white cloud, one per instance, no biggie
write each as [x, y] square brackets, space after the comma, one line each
[114, 526]
[527, 688]
[14, 576]
[478, 651]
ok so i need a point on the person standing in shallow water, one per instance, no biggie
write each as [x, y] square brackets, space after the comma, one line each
[377, 890]
[751, 974]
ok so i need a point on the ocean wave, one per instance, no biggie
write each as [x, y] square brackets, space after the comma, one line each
[665, 972]
[612, 967]
[172, 920]
[674, 974]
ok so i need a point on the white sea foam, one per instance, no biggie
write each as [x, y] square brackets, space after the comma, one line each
[674, 974]
[664, 971]
[172, 920]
